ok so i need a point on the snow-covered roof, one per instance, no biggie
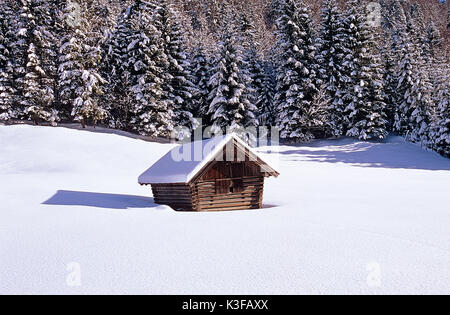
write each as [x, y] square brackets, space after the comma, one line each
[184, 162]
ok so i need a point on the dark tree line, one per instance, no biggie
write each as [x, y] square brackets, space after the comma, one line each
[314, 69]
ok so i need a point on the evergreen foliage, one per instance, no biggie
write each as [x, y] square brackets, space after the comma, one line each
[151, 66]
[296, 72]
[7, 90]
[229, 106]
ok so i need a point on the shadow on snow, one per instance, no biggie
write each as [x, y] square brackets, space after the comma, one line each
[99, 200]
[394, 153]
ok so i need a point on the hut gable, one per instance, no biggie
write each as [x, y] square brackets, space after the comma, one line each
[222, 173]
[183, 163]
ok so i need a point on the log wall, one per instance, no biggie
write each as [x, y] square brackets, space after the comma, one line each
[177, 196]
[223, 186]
[249, 197]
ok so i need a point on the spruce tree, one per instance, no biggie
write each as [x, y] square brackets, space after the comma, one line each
[318, 113]
[137, 63]
[365, 112]
[331, 53]
[200, 74]
[79, 83]
[152, 114]
[414, 85]
[35, 78]
[394, 24]
[432, 40]
[352, 26]
[178, 87]
[266, 96]
[115, 70]
[19, 47]
[440, 131]
[390, 83]
[7, 90]
[296, 73]
[229, 106]
[252, 65]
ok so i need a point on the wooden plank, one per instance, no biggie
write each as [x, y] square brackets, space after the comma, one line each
[251, 207]
[229, 204]
[171, 185]
[183, 200]
[172, 201]
[173, 191]
[246, 183]
[189, 195]
[202, 194]
[205, 205]
[248, 178]
[229, 197]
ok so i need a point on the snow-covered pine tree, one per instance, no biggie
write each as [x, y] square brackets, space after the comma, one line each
[440, 130]
[252, 65]
[365, 112]
[6, 70]
[38, 97]
[416, 106]
[439, 72]
[152, 113]
[266, 98]
[136, 63]
[19, 47]
[394, 25]
[37, 81]
[86, 105]
[390, 83]
[178, 87]
[432, 40]
[331, 53]
[318, 113]
[229, 106]
[115, 70]
[67, 18]
[296, 75]
[352, 28]
[200, 75]
[79, 82]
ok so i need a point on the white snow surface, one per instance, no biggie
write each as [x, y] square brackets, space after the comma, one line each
[343, 217]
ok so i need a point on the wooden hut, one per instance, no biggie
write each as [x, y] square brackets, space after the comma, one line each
[218, 174]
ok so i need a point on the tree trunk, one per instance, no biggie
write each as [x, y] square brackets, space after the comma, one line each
[83, 123]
